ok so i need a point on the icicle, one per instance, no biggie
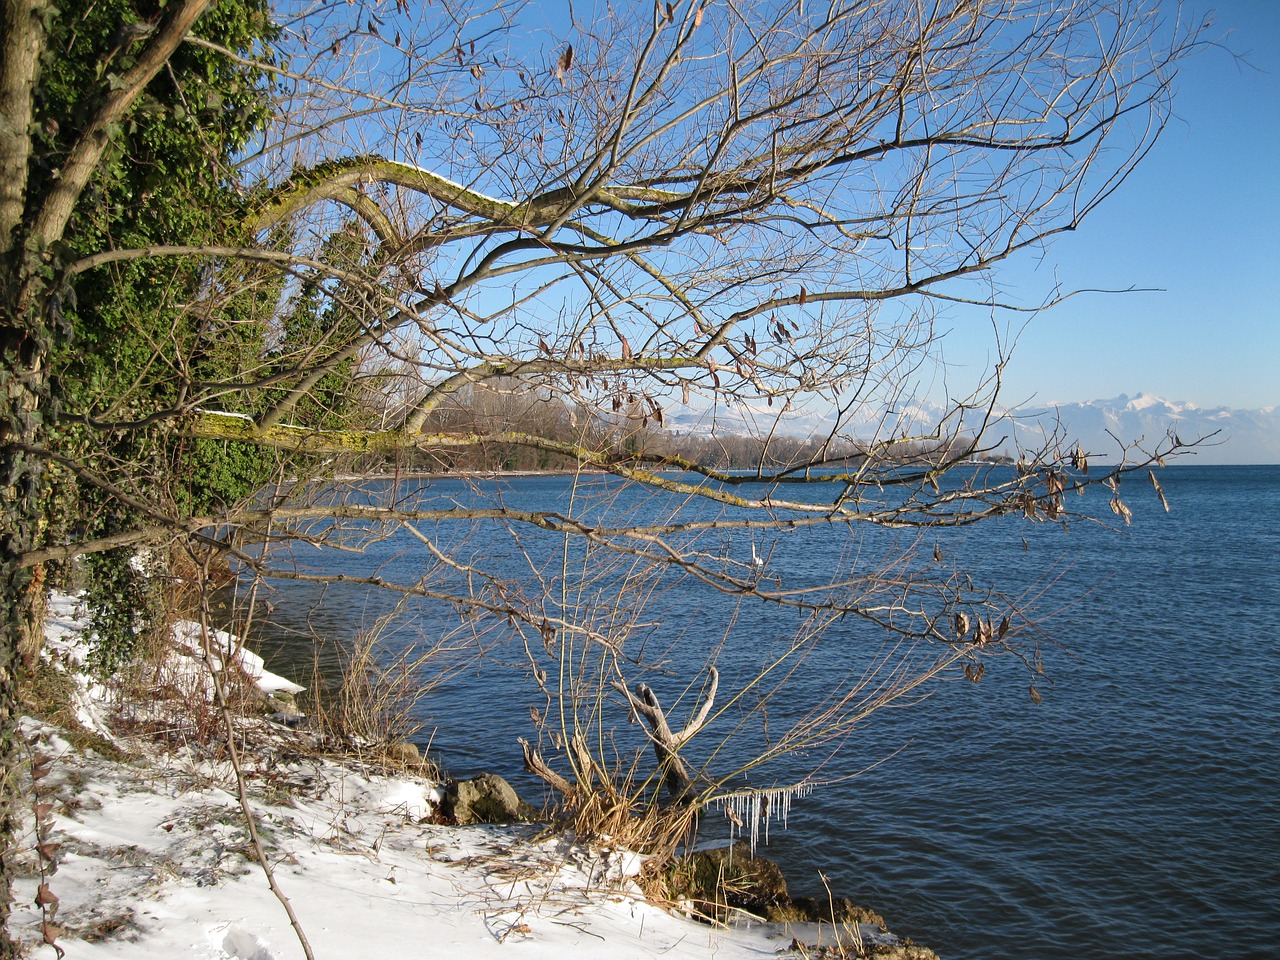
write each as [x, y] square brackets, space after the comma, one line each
[748, 810]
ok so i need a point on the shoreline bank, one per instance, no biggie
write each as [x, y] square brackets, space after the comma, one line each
[152, 855]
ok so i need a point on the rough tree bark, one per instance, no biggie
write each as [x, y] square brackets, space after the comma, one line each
[23, 346]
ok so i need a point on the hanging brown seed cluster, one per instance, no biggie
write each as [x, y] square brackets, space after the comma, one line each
[1117, 505]
[984, 631]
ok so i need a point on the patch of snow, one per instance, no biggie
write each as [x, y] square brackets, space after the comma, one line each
[228, 647]
[156, 863]
[224, 413]
[235, 943]
[413, 801]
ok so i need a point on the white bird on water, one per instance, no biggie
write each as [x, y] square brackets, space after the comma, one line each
[757, 561]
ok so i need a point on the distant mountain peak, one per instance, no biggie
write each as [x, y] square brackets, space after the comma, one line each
[1239, 436]
[1145, 401]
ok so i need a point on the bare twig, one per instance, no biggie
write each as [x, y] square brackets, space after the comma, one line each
[216, 668]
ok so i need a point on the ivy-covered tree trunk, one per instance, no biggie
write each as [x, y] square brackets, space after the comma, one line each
[23, 350]
[22, 381]
[24, 345]
[34, 215]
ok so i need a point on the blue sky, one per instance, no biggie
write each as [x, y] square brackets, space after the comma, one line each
[1196, 227]
[1201, 222]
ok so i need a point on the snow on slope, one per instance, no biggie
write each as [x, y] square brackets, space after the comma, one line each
[153, 859]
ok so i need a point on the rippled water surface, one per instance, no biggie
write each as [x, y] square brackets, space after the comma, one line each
[1134, 812]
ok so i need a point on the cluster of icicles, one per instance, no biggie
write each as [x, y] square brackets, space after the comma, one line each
[748, 809]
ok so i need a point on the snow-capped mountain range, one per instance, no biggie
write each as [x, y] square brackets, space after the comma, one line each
[1226, 435]
[1101, 427]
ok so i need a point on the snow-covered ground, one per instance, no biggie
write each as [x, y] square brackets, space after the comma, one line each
[151, 857]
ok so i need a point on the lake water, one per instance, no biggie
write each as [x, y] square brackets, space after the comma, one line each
[1135, 811]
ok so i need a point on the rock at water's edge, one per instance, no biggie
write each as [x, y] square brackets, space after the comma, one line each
[487, 798]
[728, 877]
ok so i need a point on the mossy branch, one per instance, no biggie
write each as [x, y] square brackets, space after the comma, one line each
[334, 180]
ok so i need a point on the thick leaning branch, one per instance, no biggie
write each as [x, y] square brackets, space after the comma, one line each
[295, 439]
[333, 181]
[536, 764]
[86, 155]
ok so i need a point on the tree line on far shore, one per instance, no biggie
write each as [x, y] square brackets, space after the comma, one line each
[633, 429]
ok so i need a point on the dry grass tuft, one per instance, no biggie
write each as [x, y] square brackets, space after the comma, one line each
[368, 714]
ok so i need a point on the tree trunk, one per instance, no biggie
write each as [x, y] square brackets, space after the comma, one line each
[22, 385]
[23, 388]
[24, 343]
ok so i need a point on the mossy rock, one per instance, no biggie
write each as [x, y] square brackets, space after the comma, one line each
[903, 950]
[717, 881]
[723, 879]
[833, 910]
